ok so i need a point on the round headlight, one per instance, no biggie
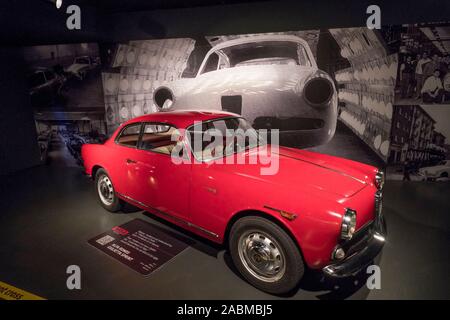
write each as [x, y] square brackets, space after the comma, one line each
[163, 98]
[318, 91]
[348, 226]
[379, 179]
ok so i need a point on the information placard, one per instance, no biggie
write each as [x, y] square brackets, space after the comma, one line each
[140, 245]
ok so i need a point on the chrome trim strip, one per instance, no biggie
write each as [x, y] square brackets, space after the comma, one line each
[324, 167]
[380, 179]
[189, 224]
[378, 203]
[135, 201]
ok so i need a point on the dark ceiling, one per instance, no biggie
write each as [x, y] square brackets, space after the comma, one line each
[39, 22]
[114, 6]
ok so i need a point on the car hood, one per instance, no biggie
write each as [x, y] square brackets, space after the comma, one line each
[251, 78]
[76, 67]
[311, 172]
[322, 172]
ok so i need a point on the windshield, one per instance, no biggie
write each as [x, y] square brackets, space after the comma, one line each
[222, 137]
[258, 53]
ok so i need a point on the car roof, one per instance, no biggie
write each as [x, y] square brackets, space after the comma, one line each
[258, 38]
[181, 119]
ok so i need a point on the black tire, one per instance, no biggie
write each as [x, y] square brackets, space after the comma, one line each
[115, 204]
[444, 175]
[293, 262]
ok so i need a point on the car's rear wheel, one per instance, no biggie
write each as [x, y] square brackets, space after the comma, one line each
[265, 255]
[105, 191]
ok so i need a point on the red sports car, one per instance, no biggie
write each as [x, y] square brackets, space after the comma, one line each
[314, 210]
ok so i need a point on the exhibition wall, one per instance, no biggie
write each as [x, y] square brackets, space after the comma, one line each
[362, 64]
[18, 147]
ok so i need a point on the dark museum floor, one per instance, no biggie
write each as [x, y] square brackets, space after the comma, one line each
[48, 214]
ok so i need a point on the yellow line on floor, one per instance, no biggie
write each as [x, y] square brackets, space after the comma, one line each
[9, 292]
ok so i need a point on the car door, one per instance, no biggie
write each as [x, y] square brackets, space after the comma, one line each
[125, 171]
[165, 184]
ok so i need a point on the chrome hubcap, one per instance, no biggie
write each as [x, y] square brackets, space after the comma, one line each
[262, 256]
[105, 190]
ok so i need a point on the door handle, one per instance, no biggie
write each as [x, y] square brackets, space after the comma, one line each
[131, 161]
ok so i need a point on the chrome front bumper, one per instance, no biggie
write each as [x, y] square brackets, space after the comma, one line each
[362, 250]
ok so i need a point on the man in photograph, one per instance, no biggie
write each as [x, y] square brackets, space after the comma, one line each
[419, 73]
[406, 77]
[428, 68]
[406, 170]
[432, 90]
[445, 65]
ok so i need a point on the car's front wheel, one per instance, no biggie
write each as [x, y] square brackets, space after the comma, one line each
[105, 191]
[265, 255]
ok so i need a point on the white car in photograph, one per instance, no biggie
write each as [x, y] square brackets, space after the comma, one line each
[81, 66]
[441, 170]
[271, 80]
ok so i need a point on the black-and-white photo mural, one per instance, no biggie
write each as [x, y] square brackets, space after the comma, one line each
[327, 90]
[420, 148]
[424, 76]
[136, 70]
[366, 88]
[65, 90]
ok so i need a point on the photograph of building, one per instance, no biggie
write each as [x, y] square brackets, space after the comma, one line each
[419, 139]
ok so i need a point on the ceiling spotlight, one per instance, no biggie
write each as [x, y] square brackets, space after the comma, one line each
[58, 4]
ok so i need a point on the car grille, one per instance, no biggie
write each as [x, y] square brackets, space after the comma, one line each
[378, 203]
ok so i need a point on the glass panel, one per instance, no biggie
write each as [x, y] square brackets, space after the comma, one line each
[223, 137]
[130, 135]
[159, 138]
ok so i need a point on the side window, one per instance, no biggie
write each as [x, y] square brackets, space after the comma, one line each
[158, 138]
[130, 135]
[212, 63]
[223, 63]
[303, 56]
